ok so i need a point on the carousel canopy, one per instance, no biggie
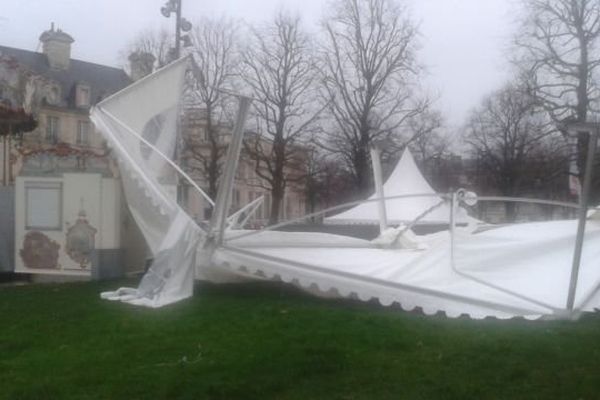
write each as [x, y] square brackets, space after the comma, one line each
[15, 120]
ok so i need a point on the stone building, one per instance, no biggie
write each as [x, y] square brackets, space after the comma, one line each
[248, 184]
[65, 189]
[59, 91]
[63, 211]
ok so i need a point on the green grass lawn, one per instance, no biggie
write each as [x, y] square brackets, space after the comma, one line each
[267, 341]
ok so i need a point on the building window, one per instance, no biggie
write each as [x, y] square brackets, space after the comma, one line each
[236, 199]
[259, 210]
[288, 207]
[244, 170]
[83, 132]
[43, 209]
[52, 127]
[82, 96]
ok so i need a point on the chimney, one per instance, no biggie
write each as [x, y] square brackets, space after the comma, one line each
[56, 45]
[141, 64]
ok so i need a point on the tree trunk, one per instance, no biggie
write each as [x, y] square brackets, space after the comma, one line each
[361, 165]
[212, 174]
[276, 200]
[278, 181]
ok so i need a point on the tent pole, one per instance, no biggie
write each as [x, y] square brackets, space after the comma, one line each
[223, 200]
[157, 151]
[4, 167]
[378, 178]
[583, 208]
[8, 155]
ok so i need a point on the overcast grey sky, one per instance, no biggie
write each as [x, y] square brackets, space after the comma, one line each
[463, 41]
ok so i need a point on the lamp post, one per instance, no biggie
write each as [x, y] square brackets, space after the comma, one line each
[181, 25]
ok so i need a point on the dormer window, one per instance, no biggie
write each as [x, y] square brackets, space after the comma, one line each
[82, 96]
[53, 94]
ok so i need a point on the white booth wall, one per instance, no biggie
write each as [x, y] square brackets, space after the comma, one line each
[45, 209]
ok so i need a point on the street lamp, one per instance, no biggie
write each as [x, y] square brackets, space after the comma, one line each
[181, 25]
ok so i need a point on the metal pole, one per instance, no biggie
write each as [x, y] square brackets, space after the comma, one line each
[4, 165]
[8, 153]
[453, 201]
[161, 155]
[178, 30]
[223, 200]
[378, 178]
[583, 208]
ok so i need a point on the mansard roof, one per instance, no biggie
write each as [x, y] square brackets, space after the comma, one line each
[102, 80]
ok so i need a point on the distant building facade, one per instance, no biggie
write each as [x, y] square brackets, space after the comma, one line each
[69, 215]
[59, 91]
[248, 183]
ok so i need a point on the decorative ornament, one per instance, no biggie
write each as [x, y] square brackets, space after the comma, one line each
[39, 251]
[81, 239]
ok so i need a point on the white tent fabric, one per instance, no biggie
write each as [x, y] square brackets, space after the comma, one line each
[148, 109]
[406, 179]
[520, 270]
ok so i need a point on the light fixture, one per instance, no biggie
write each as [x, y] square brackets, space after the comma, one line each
[181, 25]
[168, 8]
[186, 25]
[467, 197]
[165, 11]
[187, 42]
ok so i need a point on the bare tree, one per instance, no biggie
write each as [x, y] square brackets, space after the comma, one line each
[369, 74]
[511, 141]
[558, 44]
[431, 147]
[428, 142]
[214, 70]
[280, 72]
[328, 183]
[216, 57]
[313, 168]
[151, 41]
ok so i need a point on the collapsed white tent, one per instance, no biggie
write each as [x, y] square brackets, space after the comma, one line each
[520, 270]
[139, 126]
[406, 179]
